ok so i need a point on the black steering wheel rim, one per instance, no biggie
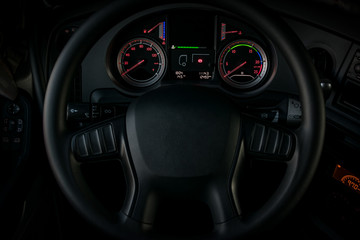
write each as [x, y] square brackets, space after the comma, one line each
[311, 132]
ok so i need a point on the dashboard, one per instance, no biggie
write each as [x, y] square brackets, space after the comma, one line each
[208, 48]
[203, 48]
[211, 49]
[191, 48]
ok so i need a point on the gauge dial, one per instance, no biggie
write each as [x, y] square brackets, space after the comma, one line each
[352, 182]
[141, 62]
[243, 64]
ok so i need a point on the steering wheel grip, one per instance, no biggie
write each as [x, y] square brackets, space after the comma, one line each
[309, 136]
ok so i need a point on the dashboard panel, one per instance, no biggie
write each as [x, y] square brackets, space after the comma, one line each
[194, 48]
[183, 47]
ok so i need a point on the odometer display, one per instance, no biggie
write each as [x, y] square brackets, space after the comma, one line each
[141, 62]
[243, 64]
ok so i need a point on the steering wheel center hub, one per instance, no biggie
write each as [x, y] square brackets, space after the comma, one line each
[182, 131]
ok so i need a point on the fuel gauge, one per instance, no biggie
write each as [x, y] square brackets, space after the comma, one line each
[158, 30]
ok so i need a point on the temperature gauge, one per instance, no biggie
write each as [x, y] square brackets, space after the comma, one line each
[225, 32]
[243, 64]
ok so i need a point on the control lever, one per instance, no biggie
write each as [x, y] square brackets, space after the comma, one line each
[294, 112]
[288, 112]
[326, 87]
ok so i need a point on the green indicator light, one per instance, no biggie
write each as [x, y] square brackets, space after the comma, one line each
[187, 47]
[243, 45]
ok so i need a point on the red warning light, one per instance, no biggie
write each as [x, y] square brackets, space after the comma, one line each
[200, 60]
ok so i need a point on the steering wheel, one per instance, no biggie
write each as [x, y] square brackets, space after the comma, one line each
[184, 142]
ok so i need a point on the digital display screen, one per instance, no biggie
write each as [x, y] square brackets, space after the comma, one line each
[347, 178]
[192, 64]
[192, 30]
[191, 46]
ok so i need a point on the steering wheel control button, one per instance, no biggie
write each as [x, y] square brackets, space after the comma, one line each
[78, 112]
[95, 142]
[272, 141]
[107, 111]
[285, 146]
[294, 112]
[258, 138]
[81, 146]
[269, 142]
[109, 140]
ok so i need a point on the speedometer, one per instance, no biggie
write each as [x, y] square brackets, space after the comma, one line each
[141, 62]
[243, 64]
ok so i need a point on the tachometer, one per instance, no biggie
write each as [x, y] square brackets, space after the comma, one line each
[141, 62]
[243, 64]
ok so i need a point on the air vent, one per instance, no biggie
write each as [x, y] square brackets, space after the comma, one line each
[324, 65]
[323, 62]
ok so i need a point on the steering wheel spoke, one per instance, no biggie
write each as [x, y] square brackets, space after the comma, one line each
[268, 141]
[222, 202]
[98, 142]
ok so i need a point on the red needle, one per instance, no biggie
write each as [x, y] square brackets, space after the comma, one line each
[235, 69]
[153, 27]
[133, 67]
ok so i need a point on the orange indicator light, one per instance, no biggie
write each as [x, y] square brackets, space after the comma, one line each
[347, 178]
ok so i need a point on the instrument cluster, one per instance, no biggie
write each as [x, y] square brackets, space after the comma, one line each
[200, 48]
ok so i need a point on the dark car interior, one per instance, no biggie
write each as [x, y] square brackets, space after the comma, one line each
[134, 119]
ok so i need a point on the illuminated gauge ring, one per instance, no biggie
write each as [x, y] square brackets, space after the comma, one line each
[141, 62]
[352, 182]
[243, 64]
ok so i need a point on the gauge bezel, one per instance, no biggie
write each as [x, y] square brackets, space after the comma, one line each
[263, 71]
[143, 83]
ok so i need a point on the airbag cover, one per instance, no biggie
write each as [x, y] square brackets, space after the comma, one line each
[182, 131]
